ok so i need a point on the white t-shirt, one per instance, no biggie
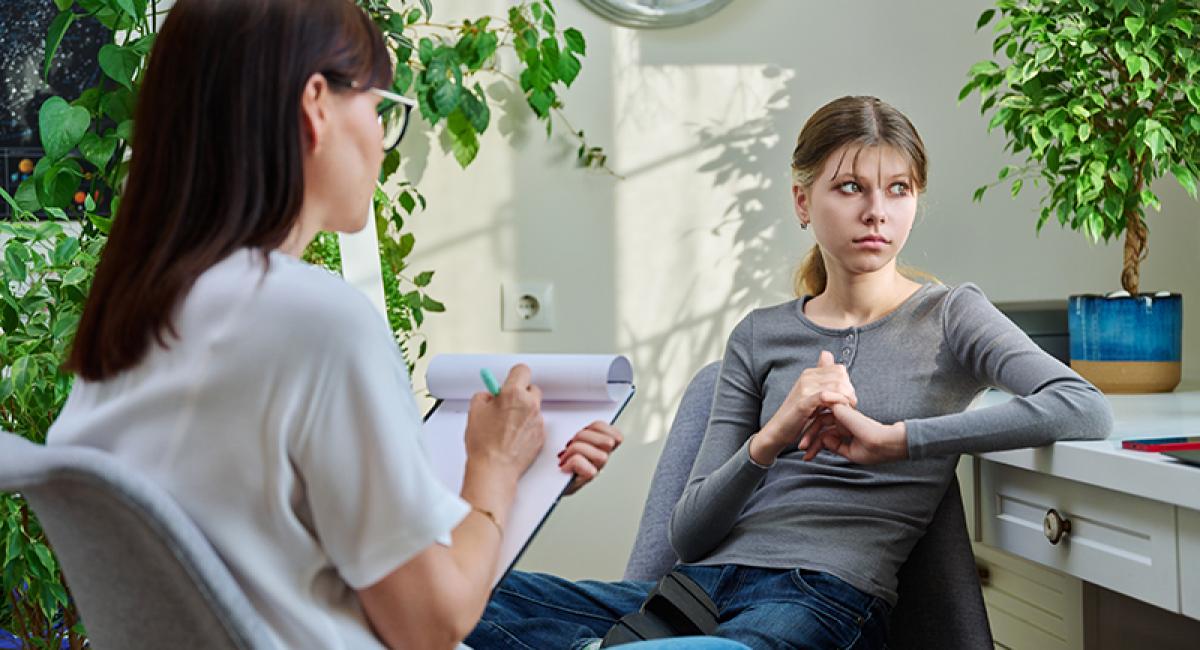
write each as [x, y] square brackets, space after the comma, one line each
[282, 420]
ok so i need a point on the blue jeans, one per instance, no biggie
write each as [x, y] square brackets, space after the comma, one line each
[762, 608]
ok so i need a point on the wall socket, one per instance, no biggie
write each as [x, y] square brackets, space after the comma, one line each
[527, 306]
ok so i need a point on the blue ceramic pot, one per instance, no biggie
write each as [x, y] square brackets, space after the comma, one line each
[1127, 344]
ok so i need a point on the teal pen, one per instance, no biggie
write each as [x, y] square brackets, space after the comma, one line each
[489, 380]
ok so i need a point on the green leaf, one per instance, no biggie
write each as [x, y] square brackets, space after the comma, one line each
[1016, 186]
[575, 41]
[406, 244]
[26, 195]
[1155, 141]
[12, 203]
[983, 67]
[65, 252]
[119, 63]
[978, 195]
[446, 96]
[1134, 25]
[464, 142]
[984, 18]
[568, 68]
[1085, 131]
[96, 150]
[15, 258]
[1043, 55]
[1149, 198]
[22, 374]
[76, 275]
[475, 109]
[423, 279]
[14, 545]
[429, 304]
[407, 202]
[43, 556]
[61, 126]
[54, 36]
[1185, 178]
[425, 51]
[541, 100]
[118, 104]
[103, 224]
[128, 8]
[58, 185]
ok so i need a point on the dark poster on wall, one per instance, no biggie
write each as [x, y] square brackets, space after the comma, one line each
[23, 88]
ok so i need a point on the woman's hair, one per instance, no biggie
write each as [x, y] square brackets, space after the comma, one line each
[217, 160]
[862, 120]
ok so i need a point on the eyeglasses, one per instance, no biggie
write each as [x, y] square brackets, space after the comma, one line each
[394, 110]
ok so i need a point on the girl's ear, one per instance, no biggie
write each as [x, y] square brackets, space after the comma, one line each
[800, 198]
[314, 112]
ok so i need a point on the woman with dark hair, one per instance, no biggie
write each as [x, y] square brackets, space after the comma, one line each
[837, 422]
[268, 396]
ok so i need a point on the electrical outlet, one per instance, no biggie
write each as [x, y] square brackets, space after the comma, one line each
[527, 306]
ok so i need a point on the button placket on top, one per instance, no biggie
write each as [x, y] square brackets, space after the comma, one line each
[849, 348]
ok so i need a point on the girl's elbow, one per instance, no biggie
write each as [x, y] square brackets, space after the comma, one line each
[1092, 420]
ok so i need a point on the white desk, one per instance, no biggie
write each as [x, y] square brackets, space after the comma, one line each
[1134, 516]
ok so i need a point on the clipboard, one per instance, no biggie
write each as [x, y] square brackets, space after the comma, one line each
[577, 389]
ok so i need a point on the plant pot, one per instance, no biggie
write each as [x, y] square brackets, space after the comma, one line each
[1127, 344]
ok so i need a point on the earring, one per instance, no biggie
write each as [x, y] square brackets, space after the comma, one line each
[803, 225]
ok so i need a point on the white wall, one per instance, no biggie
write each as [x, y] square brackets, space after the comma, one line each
[700, 122]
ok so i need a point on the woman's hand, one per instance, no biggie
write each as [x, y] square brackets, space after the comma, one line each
[588, 452]
[506, 430]
[858, 438]
[815, 391]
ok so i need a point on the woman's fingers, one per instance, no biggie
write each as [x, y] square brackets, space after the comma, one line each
[583, 469]
[588, 452]
[601, 435]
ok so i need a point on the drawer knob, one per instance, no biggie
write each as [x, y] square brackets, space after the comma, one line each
[1055, 526]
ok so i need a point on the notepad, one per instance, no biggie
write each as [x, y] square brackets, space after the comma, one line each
[577, 389]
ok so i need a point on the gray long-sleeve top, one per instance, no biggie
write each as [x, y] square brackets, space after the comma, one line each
[922, 364]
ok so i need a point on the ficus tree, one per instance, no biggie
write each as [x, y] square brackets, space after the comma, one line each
[1099, 98]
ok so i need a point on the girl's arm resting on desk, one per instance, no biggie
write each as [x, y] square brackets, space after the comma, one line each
[1051, 402]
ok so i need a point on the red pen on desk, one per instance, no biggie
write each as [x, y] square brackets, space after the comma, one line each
[1179, 443]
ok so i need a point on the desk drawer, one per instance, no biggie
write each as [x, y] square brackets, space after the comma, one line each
[1115, 540]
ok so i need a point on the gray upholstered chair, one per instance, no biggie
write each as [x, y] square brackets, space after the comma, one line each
[940, 604]
[141, 573]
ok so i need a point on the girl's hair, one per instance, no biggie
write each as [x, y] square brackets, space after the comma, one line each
[217, 160]
[865, 121]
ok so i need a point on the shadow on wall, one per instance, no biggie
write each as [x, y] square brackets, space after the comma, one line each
[750, 160]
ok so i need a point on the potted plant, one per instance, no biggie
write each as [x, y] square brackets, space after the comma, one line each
[62, 213]
[1100, 99]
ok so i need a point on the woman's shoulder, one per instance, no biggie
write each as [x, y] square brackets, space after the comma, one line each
[284, 294]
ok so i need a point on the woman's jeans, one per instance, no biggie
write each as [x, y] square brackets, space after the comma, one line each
[762, 608]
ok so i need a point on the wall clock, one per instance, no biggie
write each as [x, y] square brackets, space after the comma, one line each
[655, 13]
